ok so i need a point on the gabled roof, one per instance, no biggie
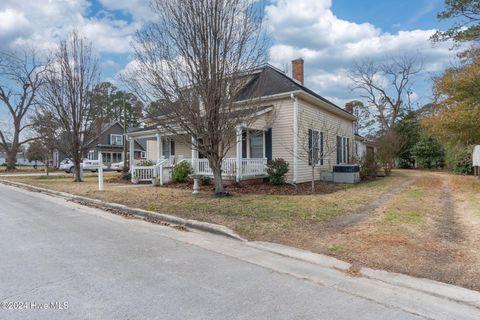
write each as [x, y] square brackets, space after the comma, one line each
[108, 125]
[269, 81]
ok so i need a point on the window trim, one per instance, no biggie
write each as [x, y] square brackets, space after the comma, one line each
[311, 147]
[343, 149]
[116, 135]
[249, 144]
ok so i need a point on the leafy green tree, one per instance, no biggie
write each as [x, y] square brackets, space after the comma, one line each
[428, 153]
[409, 131]
[458, 158]
[112, 104]
[36, 152]
[466, 14]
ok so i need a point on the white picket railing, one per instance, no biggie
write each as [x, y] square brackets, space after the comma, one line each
[143, 173]
[254, 167]
[249, 168]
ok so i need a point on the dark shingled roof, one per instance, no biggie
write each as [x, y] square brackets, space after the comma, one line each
[270, 81]
[266, 81]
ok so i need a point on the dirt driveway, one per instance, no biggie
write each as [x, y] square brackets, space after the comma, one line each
[429, 226]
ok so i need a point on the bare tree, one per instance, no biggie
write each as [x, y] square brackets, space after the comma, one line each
[389, 144]
[386, 87]
[72, 73]
[317, 143]
[194, 62]
[20, 80]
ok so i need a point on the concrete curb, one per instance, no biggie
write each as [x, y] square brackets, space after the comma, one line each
[427, 286]
[140, 213]
[432, 287]
[303, 255]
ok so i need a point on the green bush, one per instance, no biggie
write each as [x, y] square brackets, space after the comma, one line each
[205, 181]
[277, 169]
[146, 163]
[126, 176]
[181, 171]
[428, 153]
[459, 158]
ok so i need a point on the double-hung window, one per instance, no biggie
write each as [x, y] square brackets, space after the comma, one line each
[168, 147]
[343, 149]
[116, 139]
[256, 144]
[315, 147]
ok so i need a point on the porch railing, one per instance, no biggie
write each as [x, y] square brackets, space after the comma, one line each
[249, 167]
[143, 173]
[147, 173]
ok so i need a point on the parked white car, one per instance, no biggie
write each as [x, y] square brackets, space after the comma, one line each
[92, 165]
[66, 165]
[118, 166]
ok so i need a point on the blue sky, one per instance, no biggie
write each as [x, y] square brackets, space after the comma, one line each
[329, 35]
[391, 15]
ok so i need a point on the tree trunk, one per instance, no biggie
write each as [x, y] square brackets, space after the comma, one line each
[11, 158]
[217, 177]
[46, 166]
[76, 161]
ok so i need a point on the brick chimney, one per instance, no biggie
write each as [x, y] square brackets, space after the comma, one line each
[297, 70]
[349, 107]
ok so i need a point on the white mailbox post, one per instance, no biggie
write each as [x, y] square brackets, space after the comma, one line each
[100, 172]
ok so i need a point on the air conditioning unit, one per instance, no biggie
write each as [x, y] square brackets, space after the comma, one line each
[346, 173]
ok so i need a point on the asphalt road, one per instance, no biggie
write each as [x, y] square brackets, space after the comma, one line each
[96, 265]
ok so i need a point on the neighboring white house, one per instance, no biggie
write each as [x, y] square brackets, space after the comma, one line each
[291, 113]
[362, 147]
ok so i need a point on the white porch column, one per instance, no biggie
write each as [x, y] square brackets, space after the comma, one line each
[131, 153]
[295, 138]
[194, 150]
[239, 154]
[159, 147]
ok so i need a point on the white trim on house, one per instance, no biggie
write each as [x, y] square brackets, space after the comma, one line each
[295, 137]
[116, 139]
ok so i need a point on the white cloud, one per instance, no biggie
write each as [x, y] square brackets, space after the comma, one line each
[329, 45]
[44, 22]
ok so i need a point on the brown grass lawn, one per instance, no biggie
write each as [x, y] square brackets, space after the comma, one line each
[421, 223]
[22, 169]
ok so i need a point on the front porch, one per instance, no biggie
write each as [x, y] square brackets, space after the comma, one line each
[247, 160]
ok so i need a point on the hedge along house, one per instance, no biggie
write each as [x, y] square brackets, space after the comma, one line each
[292, 123]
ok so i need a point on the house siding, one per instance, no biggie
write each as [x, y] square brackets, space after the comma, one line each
[280, 120]
[282, 132]
[314, 117]
[181, 148]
